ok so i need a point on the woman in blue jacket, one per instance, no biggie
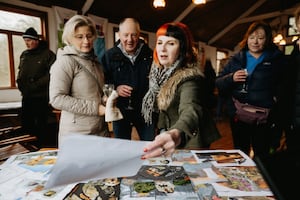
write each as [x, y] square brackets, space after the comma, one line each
[258, 85]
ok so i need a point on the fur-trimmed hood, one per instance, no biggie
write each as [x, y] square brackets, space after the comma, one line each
[168, 89]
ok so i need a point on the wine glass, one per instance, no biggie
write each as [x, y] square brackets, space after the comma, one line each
[129, 106]
[108, 89]
[244, 89]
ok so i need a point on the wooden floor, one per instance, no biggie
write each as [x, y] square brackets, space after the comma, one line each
[225, 142]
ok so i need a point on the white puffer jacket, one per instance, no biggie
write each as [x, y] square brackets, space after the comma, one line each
[74, 90]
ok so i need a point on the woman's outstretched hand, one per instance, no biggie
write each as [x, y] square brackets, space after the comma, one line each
[164, 144]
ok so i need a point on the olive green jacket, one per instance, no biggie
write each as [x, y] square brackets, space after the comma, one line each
[181, 104]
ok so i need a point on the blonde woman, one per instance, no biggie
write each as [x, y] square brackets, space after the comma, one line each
[76, 80]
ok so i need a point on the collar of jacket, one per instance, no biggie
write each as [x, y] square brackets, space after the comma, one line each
[168, 89]
[41, 46]
[270, 54]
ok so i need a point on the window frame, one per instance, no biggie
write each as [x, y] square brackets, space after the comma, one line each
[292, 28]
[25, 11]
[218, 59]
[288, 48]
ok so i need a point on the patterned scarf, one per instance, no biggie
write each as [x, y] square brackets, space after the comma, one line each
[157, 77]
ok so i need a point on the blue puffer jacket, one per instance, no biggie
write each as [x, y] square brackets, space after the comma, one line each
[263, 84]
[119, 70]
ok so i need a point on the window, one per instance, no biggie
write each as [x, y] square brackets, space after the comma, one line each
[292, 27]
[13, 22]
[221, 55]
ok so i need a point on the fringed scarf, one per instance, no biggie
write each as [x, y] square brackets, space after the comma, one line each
[157, 77]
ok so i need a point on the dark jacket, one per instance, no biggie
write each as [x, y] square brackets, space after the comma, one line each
[119, 70]
[263, 84]
[181, 101]
[33, 76]
[290, 93]
[77, 92]
[210, 79]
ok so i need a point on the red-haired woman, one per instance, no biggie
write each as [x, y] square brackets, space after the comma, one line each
[177, 93]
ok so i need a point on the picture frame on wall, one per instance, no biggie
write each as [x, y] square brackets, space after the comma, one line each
[292, 29]
[116, 34]
[145, 37]
[288, 49]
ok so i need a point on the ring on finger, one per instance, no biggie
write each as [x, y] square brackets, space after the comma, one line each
[163, 150]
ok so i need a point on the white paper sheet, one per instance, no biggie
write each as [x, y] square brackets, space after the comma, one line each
[86, 157]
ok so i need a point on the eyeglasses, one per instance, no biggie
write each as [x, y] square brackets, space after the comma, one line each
[82, 37]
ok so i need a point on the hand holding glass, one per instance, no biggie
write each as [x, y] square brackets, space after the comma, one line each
[244, 89]
[129, 107]
[108, 89]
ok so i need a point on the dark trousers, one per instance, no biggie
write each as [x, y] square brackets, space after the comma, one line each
[292, 140]
[123, 128]
[34, 116]
[245, 136]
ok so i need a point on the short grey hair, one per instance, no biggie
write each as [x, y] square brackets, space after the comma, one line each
[132, 20]
[73, 23]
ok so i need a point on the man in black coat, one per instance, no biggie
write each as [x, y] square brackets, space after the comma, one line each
[33, 83]
[127, 66]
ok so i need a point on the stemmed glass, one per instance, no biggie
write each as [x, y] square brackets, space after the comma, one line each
[108, 89]
[129, 106]
[244, 89]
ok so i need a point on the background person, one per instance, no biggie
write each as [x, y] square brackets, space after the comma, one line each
[76, 81]
[177, 92]
[291, 99]
[288, 160]
[127, 66]
[210, 79]
[265, 64]
[220, 108]
[33, 83]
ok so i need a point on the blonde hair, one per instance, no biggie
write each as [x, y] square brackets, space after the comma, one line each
[73, 23]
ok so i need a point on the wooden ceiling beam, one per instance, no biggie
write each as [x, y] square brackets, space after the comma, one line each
[235, 22]
[185, 12]
[86, 6]
[267, 16]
